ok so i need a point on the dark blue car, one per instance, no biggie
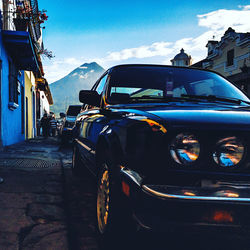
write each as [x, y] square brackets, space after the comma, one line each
[169, 147]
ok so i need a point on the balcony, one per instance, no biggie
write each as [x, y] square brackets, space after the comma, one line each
[23, 15]
[21, 49]
[21, 33]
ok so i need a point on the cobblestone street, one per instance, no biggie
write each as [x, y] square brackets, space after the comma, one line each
[32, 207]
[42, 206]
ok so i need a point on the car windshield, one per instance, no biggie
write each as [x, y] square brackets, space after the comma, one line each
[73, 110]
[147, 83]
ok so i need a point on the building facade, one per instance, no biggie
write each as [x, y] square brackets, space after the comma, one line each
[230, 57]
[30, 102]
[11, 101]
[20, 66]
[44, 97]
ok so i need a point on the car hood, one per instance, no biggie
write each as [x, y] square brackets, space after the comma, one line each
[207, 115]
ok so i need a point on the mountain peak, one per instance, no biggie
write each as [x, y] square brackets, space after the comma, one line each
[92, 64]
[66, 90]
[85, 69]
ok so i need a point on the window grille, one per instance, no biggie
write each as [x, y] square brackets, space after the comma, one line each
[13, 83]
[230, 57]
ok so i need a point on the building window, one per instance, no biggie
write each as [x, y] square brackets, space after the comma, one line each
[230, 57]
[210, 52]
[13, 86]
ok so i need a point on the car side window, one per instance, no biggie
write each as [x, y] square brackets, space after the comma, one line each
[99, 87]
[101, 84]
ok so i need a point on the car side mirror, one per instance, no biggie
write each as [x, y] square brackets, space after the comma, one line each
[90, 97]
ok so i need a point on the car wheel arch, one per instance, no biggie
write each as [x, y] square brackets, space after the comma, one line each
[109, 146]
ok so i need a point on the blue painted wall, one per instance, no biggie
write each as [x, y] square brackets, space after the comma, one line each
[11, 120]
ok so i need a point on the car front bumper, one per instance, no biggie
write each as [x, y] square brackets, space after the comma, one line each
[168, 208]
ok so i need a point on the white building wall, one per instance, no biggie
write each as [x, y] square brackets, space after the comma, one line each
[45, 108]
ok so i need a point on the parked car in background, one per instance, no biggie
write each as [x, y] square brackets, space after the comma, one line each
[68, 122]
[60, 123]
[170, 148]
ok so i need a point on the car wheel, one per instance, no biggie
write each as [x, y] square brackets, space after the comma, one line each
[103, 200]
[114, 218]
[76, 162]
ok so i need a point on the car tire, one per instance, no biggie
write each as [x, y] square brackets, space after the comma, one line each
[114, 217]
[76, 162]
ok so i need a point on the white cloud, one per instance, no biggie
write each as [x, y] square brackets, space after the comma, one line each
[216, 23]
[58, 68]
[246, 7]
[220, 20]
[155, 49]
[72, 61]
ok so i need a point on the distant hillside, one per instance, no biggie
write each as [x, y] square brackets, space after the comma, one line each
[66, 90]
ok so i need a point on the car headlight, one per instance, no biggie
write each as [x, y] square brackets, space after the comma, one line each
[228, 152]
[185, 149]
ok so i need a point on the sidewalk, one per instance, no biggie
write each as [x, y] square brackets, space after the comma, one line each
[32, 207]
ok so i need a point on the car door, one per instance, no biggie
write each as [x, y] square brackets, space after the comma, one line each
[92, 123]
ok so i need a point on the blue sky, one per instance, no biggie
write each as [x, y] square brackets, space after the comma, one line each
[116, 32]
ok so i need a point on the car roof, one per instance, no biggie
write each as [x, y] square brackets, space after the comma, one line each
[159, 65]
[166, 66]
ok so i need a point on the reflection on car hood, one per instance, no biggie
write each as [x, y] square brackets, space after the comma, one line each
[195, 115]
[204, 116]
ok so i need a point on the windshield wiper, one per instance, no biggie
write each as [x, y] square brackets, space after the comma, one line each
[182, 98]
[158, 98]
[216, 98]
[189, 98]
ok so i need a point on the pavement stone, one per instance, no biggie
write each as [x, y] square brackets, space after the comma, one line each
[54, 241]
[39, 232]
[49, 199]
[8, 241]
[14, 219]
[32, 205]
[53, 188]
[21, 200]
[16, 200]
[89, 243]
[44, 211]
